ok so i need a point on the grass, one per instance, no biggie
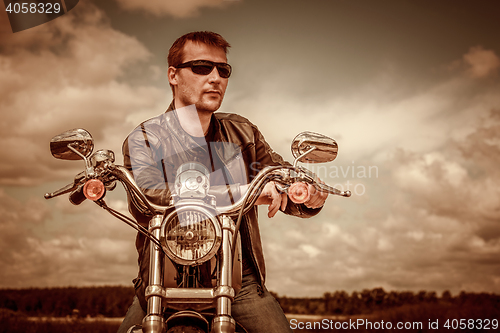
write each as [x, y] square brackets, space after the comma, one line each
[424, 314]
[425, 317]
[14, 322]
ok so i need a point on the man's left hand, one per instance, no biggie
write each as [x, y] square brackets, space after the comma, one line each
[317, 198]
[270, 196]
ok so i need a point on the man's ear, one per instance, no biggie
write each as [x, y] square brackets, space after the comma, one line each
[172, 75]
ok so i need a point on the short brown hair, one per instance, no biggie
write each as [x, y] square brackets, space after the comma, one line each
[206, 37]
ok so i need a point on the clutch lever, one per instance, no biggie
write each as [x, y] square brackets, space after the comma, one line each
[68, 188]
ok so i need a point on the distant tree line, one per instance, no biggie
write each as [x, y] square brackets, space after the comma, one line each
[109, 301]
[113, 301]
[377, 300]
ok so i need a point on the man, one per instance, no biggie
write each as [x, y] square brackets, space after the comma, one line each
[231, 148]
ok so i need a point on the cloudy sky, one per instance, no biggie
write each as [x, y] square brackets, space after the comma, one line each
[409, 89]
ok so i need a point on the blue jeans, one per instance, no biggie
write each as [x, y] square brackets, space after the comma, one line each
[257, 310]
[134, 316]
[253, 307]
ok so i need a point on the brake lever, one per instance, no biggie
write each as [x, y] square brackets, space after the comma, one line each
[331, 190]
[310, 177]
[68, 188]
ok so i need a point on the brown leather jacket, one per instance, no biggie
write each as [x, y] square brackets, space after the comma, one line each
[155, 149]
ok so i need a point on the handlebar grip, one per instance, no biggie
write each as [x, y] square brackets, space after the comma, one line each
[77, 197]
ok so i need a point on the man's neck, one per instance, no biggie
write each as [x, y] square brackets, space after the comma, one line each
[194, 122]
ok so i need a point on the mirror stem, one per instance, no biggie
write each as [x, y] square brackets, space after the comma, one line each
[88, 167]
[299, 157]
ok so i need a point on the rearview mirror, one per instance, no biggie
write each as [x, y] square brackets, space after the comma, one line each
[75, 144]
[310, 147]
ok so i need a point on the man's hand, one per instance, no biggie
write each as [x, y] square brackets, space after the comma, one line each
[270, 196]
[317, 198]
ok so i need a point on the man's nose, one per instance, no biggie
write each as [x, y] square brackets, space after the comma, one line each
[214, 75]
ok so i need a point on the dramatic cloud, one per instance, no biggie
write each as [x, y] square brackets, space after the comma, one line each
[62, 75]
[181, 9]
[482, 62]
[384, 113]
[449, 203]
[432, 223]
[65, 74]
[42, 246]
[430, 220]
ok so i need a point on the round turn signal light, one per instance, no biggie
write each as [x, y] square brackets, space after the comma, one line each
[94, 189]
[299, 192]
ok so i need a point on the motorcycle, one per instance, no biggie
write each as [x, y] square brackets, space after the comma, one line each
[192, 232]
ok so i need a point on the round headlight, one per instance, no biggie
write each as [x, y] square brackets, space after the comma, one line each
[190, 236]
[192, 180]
[191, 184]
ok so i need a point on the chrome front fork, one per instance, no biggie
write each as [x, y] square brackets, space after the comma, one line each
[222, 295]
[223, 322]
[153, 322]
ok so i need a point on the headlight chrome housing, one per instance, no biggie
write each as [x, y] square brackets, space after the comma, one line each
[190, 235]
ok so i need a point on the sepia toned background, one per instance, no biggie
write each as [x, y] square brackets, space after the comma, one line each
[409, 89]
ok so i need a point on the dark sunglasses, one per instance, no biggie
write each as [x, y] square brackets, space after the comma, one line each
[205, 67]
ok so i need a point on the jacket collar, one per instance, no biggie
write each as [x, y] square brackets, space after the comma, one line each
[174, 120]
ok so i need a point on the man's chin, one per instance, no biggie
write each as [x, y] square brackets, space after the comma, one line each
[208, 107]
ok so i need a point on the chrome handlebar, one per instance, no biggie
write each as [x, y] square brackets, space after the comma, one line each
[252, 194]
[284, 175]
[138, 198]
[146, 207]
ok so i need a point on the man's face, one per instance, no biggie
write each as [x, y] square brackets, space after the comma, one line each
[204, 91]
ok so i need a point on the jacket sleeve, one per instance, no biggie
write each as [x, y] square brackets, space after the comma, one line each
[149, 171]
[266, 156]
